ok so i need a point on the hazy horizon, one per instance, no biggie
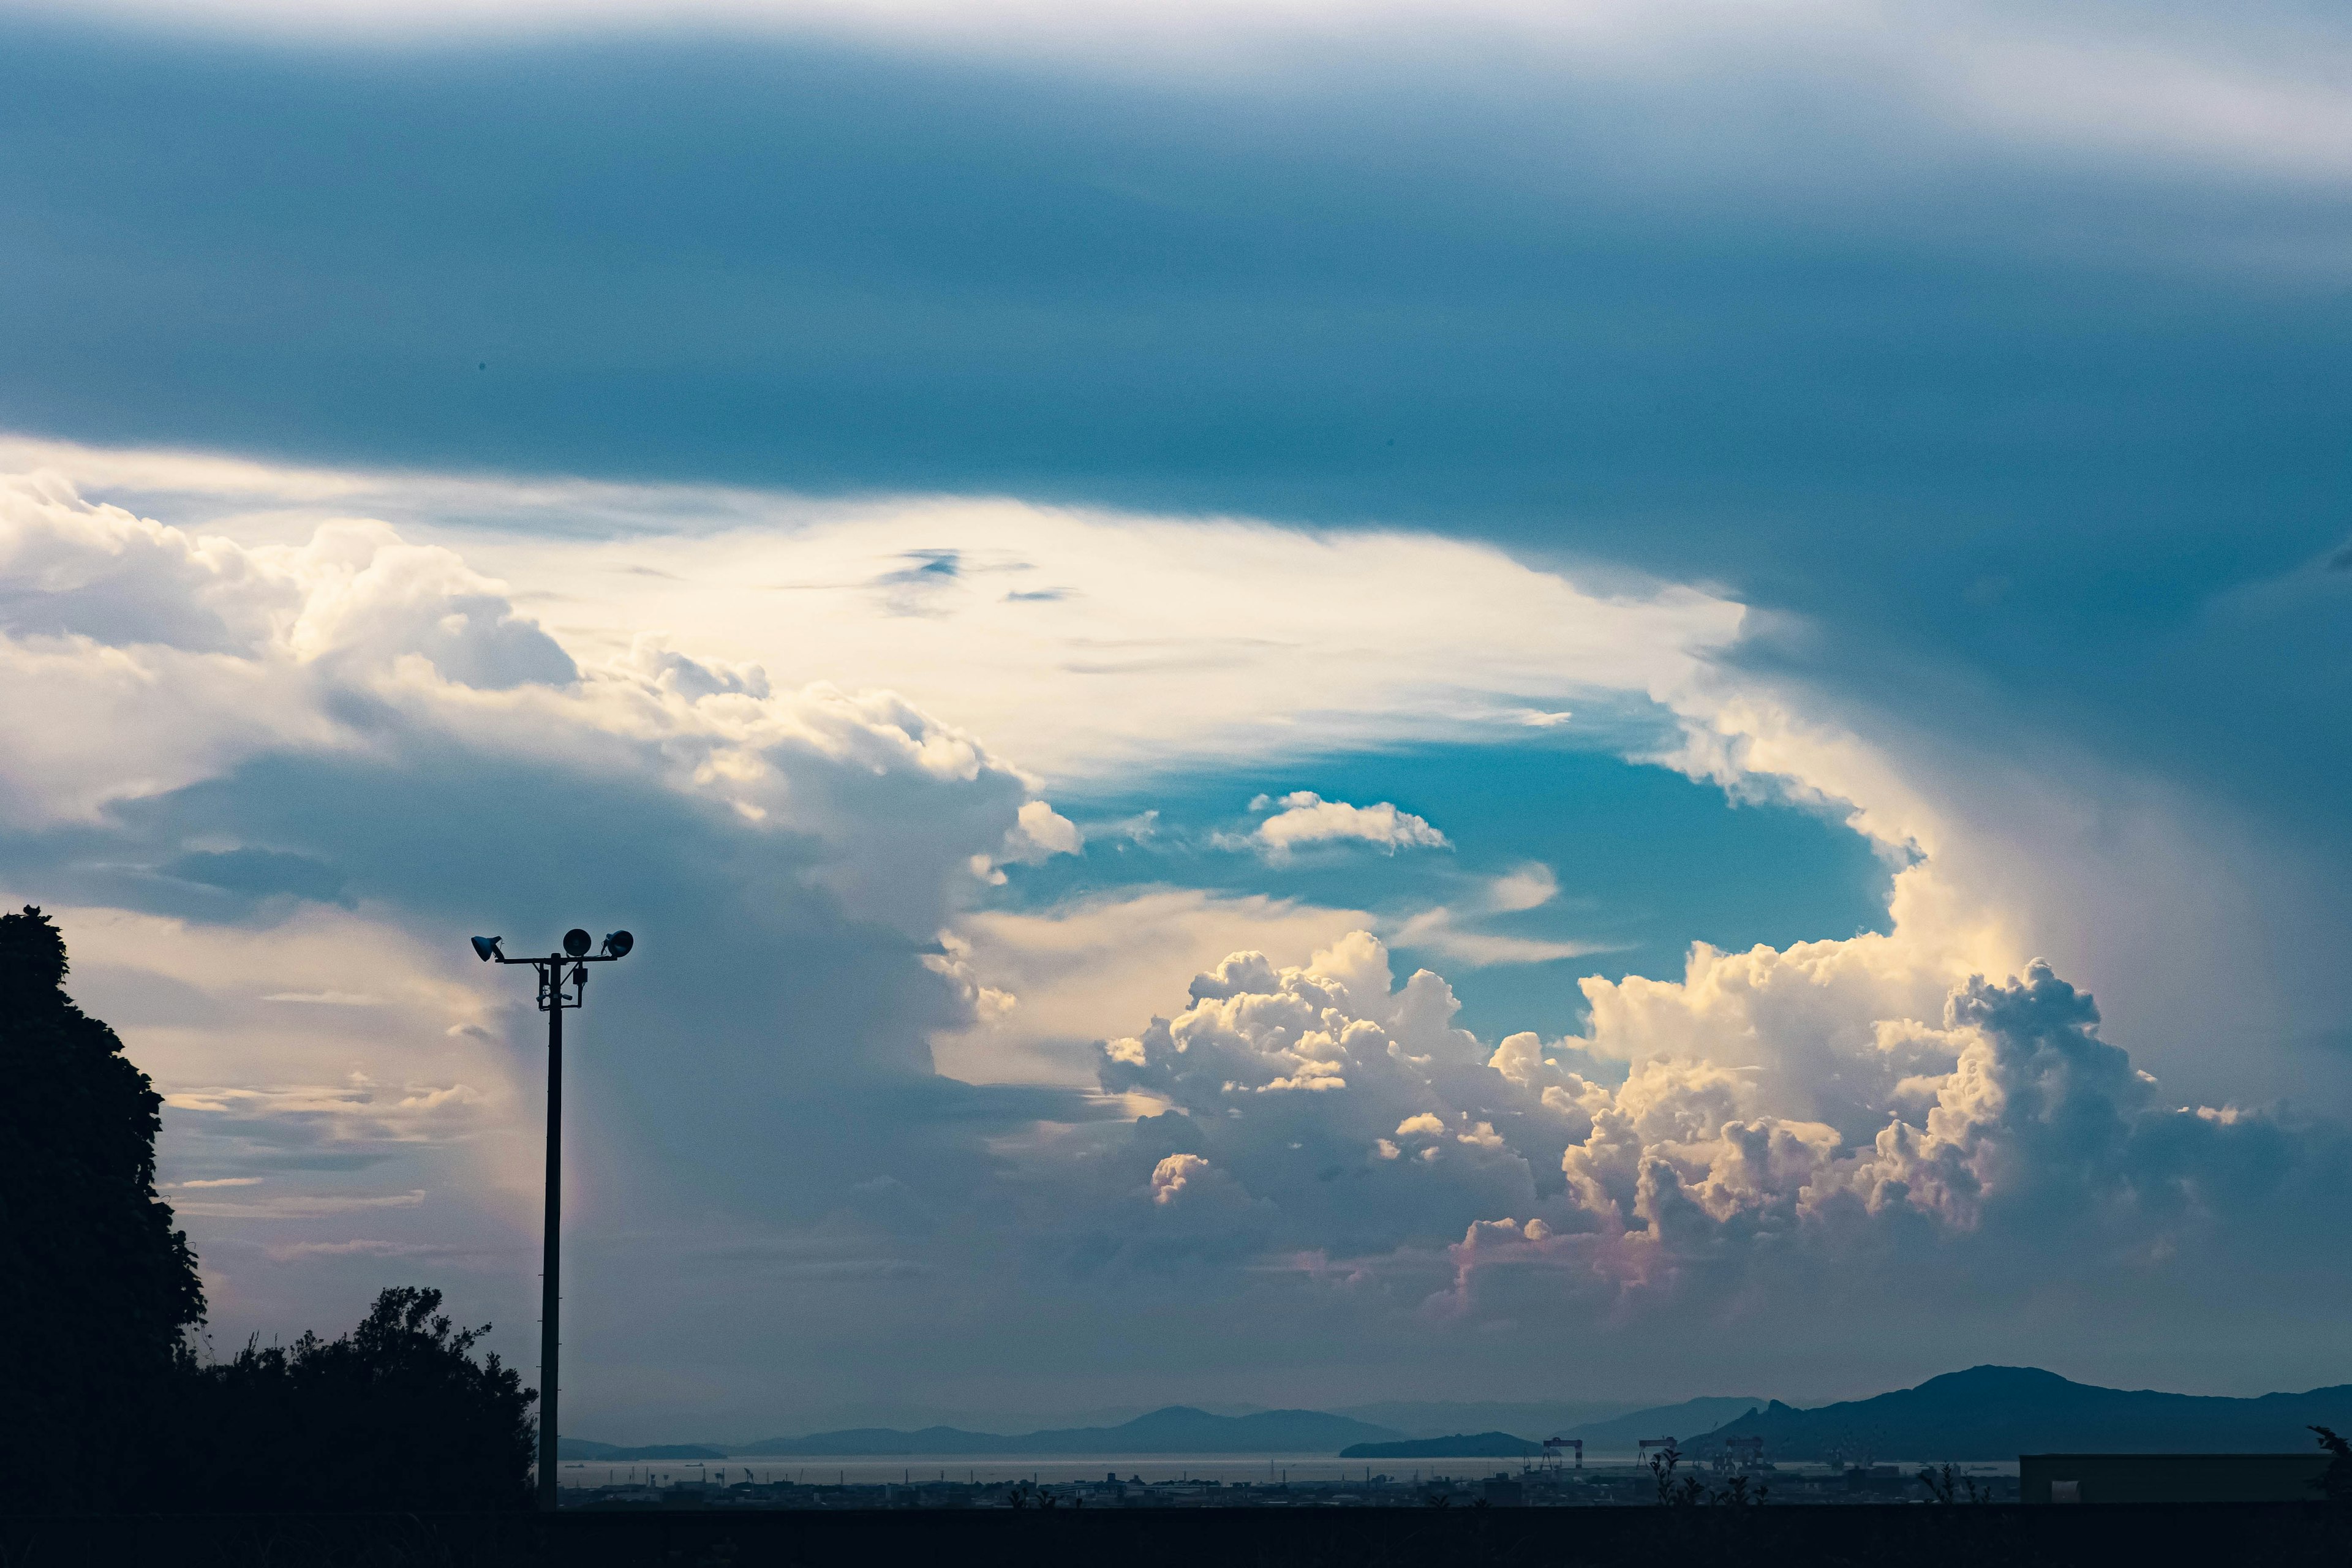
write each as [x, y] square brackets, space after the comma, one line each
[1487, 1414]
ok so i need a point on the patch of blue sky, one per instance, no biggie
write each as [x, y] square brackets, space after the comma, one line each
[1645, 862]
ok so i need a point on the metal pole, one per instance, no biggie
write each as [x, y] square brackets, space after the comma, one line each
[549, 1288]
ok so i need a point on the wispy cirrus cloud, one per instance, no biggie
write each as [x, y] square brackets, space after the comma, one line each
[1440, 931]
[301, 1206]
[420, 1251]
[1461, 935]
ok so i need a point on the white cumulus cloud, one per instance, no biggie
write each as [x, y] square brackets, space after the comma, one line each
[1810, 1098]
[1171, 1176]
[1307, 818]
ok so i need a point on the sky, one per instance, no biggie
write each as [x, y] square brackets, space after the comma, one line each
[1297, 704]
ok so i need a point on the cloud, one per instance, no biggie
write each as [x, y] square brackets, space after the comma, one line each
[300, 1251]
[1307, 818]
[1039, 831]
[182, 659]
[1171, 1176]
[335, 732]
[888, 805]
[1528, 887]
[1331, 1057]
[2036, 1128]
[1448, 934]
[294, 1205]
[1829, 1099]
[358, 1110]
[343, 777]
[2254, 92]
[1438, 930]
[202, 737]
[1184, 638]
[1080, 967]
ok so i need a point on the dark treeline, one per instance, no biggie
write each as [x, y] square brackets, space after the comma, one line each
[105, 1403]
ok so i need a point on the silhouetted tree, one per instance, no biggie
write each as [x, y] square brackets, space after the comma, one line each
[1952, 1486]
[2334, 1483]
[96, 1286]
[1686, 1492]
[102, 1405]
[396, 1414]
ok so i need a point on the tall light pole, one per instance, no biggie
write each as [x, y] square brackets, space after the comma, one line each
[552, 1001]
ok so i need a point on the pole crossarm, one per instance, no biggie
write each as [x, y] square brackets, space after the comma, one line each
[552, 978]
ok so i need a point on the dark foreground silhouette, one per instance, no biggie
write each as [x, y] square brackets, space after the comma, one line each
[1918, 1537]
[96, 1286]
[397, 1414]
[104, 1405]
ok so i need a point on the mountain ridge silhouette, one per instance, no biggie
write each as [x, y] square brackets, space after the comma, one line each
[1992, 1412]
[1979, 1413]
[1173, 1429]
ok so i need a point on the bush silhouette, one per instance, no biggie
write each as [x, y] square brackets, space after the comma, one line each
[96, 1286]
[2334, 1483]
[396, 1414]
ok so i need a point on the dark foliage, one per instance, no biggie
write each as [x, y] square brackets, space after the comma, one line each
[102, 1407]
[96, 1286]
[2255, 1535]
[2334, 1483]
[1684, 1492]
[1950, 1486]
[397, 1414]
[1676, 1490]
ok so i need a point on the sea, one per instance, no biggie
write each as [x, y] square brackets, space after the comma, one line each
[1051, 1469]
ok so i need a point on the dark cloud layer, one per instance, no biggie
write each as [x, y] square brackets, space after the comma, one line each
[2002, 420]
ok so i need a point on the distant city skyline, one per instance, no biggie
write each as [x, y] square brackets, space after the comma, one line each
[1296, 706]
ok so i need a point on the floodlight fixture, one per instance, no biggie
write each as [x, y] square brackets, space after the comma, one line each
[562, 986]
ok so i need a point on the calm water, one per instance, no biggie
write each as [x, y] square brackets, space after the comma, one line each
[1051, 1467]
[1009, 1468]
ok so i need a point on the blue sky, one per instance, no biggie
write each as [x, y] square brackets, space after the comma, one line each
[1752, 528]
[1641, 862]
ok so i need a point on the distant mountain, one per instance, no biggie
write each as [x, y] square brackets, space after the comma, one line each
[1660, 1421]
[867, 1441]
[581, 1448]
[908, 1417]
[1543, 1419]
[1984, 1413]
[1178, 1429]
[1461, 1446]
[2000, 1412]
